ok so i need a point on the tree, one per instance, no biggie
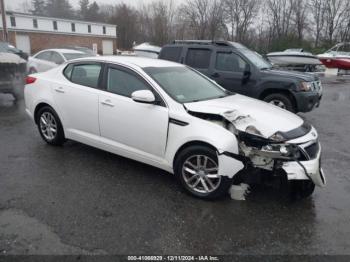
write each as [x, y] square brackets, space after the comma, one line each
[126, 19]
[299, 9]
[317, 8]
[334, 13]
[204, 17]
[83, 8]
[59, 8]
[38, 7]
[240, 15]
[93, 12]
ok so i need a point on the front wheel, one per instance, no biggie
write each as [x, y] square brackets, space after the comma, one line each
[280, 100]
[197, 169]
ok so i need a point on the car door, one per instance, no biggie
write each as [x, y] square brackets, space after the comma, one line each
[76, 96]
[229, 70]
[136, 127]
[44, 62]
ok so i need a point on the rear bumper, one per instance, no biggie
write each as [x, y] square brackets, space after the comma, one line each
[306, 101]
[306, 170]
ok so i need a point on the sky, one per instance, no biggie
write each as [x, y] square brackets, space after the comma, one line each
[20, 5]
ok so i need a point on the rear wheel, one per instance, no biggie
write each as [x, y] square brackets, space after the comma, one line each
[280, 100]
[50, 127]
[197, 169]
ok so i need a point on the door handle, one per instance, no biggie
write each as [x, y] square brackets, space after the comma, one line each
[215, 75]
[107, 103]
[59, 90]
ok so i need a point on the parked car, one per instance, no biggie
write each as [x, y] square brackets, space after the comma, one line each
[82, 49]
[50, 58]
[241, 70]
[169, 116]
[8, 48]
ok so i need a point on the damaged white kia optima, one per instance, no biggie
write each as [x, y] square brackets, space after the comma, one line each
[170, 116]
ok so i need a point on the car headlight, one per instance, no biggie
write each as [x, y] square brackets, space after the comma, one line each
[277, 137]
[280, 150]
[306, 86]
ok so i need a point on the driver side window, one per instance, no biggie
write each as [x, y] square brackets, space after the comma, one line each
[123, 83]
[230, 62]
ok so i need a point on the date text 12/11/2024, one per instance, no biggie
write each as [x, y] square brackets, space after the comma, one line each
[173, 258]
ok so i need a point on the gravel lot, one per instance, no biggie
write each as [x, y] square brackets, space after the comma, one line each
[79, 200]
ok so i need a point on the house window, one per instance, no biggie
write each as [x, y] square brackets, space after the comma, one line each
[13, 21]
[54, 23]
[73, 27]
[35, 23]
[104, 30]
[89, 28]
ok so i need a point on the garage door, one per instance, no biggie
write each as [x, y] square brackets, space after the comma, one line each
[23, 43]
[107, 47]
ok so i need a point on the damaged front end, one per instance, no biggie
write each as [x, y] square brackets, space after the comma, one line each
[296, 154]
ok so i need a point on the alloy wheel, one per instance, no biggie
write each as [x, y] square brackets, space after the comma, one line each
[200, 174]
[48, 126]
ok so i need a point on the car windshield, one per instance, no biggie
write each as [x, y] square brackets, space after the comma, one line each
[184, 84]
[71, 56]
[256, 59]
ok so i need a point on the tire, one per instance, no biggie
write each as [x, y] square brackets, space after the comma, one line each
[188, 160]
[301, 189]
[280, 100]
[53, 122]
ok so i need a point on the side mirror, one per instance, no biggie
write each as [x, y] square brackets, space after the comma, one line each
[143, 96]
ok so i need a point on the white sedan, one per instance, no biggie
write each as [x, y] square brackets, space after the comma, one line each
[51, 58]
[170, 116]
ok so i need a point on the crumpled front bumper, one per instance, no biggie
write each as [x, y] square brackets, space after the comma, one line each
[304, 170]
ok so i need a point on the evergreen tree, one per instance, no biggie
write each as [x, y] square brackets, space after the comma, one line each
[84, 8]
[93, 12]
[38, 7]
[59, 8]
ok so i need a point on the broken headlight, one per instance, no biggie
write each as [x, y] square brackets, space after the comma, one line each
[277, 137]
[288, 151]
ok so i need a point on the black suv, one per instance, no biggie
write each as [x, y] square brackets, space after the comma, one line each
[241, 70]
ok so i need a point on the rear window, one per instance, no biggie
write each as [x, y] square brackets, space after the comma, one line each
[86, 75]
[171, 53]
[198, 58]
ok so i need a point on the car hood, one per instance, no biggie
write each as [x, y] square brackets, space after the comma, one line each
[243, 111]
[307, 77]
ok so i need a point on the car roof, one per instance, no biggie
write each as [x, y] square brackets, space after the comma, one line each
[142, 62]
[64, 50]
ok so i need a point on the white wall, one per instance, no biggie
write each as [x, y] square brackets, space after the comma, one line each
[25, 23]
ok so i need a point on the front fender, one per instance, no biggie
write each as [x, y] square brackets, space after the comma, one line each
[199, 130]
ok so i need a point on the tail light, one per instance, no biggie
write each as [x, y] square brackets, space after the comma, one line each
[30, 80]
